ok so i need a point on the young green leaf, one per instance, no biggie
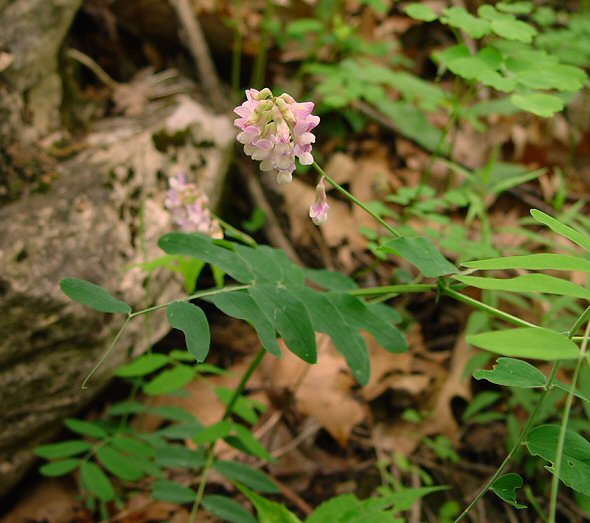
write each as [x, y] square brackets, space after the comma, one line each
[214, 432]
[533, 262]
[96, 481]
[561, 228]
[227, 509]
[513, 373]
[527, 342]
[461, 19]
[126, 408]
[242, 406]
[420, 12]
[173, 413]
[170, 380]
[92, 295]
[145, 364]
[191, 320]
[421, 253]
[242, 306]
[542, 283]
[575, 464]
[290, 319]
[63, 449]
[269, 511]
[249, 443]
[118, 464]
[505, 488]
[246, 475]
[59, 468]
[132, 446]
[86, 428]
[172, 492]
[541, 104]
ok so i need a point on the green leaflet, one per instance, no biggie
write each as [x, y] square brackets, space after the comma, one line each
[173, 492]
[246, 475]
[242, 306]
[533, 262]
[505, 488]
[118, 464]
[290, 318]
[191, 320]
[327, 318]
[145, 364]
[561, 228]
[96, 481]
[269, 511]
[513, 373]
[92, 295]
[421, 253]
[528, 342]
[227, 509]
[170, 380]
[575, 465]
[542, 283]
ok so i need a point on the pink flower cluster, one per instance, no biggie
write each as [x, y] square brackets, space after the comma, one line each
[275, 130]
[189, 207]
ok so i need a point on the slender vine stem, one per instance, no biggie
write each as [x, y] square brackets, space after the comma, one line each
[210, 455]
[355, 200]
[564, 421]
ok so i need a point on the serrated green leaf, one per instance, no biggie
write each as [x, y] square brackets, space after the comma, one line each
[173, 492]
[246, 475]
[227, 509]
[533, 262]
[542, 283]
[175, 456]
[96, 481]
[208, 250]
[170, 380]
[420, 12]
[510, 372]
[527, 342]
[420, 252]
[59, 468]
[541, 104]
[269, 511]
[86, 428]
[63, 449]
[327, 318]
[191, 320]
[86, 293]
[461, 19]
[242, 306]
[360, 316]
[575, 464]
[142, 365]
[290, 318]
[562, 229]
[118, 464]
[505, 488]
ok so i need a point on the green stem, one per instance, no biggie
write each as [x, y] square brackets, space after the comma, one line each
[210, 456]
[355, 200]
[393, 289]
[563, 428]
[198, 294]
[260, 63]
[236, 63]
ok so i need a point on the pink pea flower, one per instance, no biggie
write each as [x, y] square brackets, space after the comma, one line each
[189, 207]
[318, 212]
[275, 131]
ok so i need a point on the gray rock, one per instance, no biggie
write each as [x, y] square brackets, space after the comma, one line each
[104, 212]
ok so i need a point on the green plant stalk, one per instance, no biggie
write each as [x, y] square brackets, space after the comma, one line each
[355, 200]
[563, 428]
[393, 289]
[228, 412]
[236, 62]
[576, 326]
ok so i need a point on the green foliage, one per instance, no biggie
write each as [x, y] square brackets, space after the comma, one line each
[513, 373]
[505, 488]
[93, 296]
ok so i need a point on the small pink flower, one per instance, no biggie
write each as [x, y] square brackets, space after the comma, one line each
[318, 212]
[189, 208]
[275, 131]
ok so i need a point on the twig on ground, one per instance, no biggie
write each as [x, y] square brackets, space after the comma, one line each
[200, 52]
